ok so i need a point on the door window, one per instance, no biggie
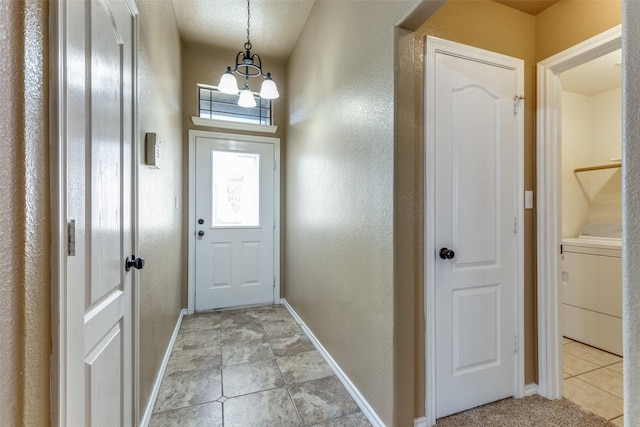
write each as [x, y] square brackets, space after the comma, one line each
[235, 180]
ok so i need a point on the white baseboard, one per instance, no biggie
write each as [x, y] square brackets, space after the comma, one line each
[362, 403]
[420, 422]
[156, 385]
[530, 389]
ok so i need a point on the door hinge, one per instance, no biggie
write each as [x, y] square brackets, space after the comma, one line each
[274, 282]
[516, 103]
[516, 344]
[515, 225]
[71, 238]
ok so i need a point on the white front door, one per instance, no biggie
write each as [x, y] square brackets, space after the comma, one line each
[234, 224]
[96, 126]
[476, 211]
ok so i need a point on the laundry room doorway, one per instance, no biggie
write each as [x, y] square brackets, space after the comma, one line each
[578, 218]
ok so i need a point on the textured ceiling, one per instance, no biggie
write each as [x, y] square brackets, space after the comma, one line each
[532, 7]
[275, 24]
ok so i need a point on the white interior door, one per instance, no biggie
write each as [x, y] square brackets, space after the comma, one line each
[477, 186]
[97, 128]
[235, 223]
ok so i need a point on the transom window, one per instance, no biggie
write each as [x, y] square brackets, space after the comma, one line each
[214, 104]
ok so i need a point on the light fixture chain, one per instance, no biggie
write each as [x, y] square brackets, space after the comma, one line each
[248, 21]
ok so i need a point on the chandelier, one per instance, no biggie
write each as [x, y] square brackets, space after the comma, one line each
[247, 65]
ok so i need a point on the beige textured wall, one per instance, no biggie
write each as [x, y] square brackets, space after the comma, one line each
[408, 231]
[340, 192]
[570, 22]
[161, 240]
[25, 237]
[495, 27]
[202, 64]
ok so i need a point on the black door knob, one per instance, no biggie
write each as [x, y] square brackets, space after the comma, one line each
[200, 233]
[447, 253]
[137, 263]
[201, 221]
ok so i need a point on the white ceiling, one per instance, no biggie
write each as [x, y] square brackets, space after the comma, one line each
[275, 24]
[594, 77]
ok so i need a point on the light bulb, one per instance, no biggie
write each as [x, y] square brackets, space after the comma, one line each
[246, 99]
[269, 89]
[228, 83]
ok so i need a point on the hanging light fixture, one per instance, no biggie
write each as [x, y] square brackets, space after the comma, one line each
[247, 65]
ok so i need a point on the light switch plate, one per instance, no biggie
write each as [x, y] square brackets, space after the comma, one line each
[152, 157]
[528, 199]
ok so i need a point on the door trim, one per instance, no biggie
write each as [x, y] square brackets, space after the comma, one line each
[549, 202]
[191, 242]
[432, 46]
[58, 187]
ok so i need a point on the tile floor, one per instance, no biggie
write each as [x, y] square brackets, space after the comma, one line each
[250, 367]
[593, 380]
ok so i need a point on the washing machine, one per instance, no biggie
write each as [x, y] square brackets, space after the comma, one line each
[592, 286]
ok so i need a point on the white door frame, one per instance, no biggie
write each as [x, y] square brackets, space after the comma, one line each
[191, 233]
[59, 231]
[432, 46]
[549, 201]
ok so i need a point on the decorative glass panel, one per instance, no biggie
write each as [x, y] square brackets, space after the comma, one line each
[236, 189]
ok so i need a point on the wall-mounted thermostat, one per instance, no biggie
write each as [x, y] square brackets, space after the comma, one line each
[152, 150]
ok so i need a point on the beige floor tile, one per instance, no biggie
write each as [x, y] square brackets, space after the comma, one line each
[197, 359]
[618, 421]
[322, 400]
[604, 379]
[566, 340]
[616, 367]
[303, 367]
[200, 322]
[593, 399]
[593, 355]
[574, 365]
[208, 414]
[192, 339]
[188, 389]
[265, 408]
[250, 377]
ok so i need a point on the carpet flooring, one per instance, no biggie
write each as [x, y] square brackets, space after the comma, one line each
[531, 411]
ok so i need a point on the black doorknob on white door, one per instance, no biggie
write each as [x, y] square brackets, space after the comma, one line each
[132, 261]
[446, 253]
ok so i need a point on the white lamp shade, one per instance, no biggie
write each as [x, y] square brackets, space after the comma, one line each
[269, 89]
[246, 99]
[228, 84]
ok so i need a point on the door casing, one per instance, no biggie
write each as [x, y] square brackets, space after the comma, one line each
[432, 46]
[549, 202]
[191, 233]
